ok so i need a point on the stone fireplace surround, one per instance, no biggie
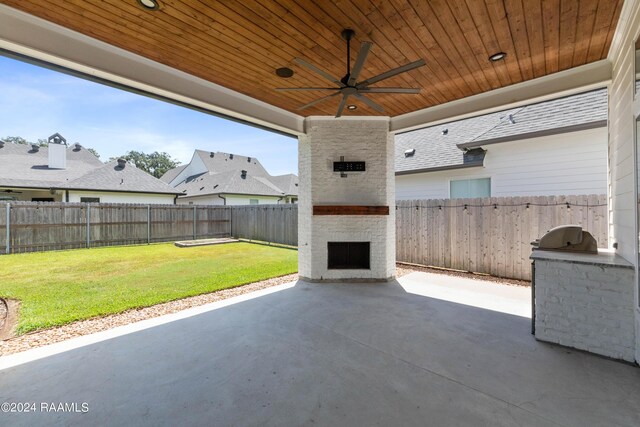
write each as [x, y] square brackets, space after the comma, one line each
[361, 195]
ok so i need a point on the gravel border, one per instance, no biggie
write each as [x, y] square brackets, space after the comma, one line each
[98, 324]
[90, 326]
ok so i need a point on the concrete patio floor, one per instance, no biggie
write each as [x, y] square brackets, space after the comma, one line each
[395, 354]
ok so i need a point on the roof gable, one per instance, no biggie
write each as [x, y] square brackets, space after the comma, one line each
[113, 177]
[24, 167]
[224, 175]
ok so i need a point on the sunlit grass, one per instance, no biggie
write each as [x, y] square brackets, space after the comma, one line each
[56, 288]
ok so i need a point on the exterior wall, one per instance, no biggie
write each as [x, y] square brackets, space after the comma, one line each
[589, 307]
[567, 164]
[108, 197]
[232, 199]
[623, 217]
[361, 139]
[25, 195]
[245, 200]
[200, 200]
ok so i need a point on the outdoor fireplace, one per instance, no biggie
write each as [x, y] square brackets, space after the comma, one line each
[346, 212]
[348, 255]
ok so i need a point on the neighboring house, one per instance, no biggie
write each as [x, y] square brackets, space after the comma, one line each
[556, 147]
[228, 179]
[59, 173]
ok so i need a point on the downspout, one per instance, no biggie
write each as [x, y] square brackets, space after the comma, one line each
[175, 199]
[279, 199]
[223, 198]
[66, 196]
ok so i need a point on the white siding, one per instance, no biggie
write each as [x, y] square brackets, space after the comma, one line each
[622, 144]
[232, 199]
[244, 200]
[567, 164]
[195, 166]
[106, 197]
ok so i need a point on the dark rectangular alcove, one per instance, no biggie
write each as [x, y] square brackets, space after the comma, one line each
[349, 255]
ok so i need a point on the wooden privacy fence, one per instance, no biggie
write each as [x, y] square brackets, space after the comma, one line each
[490, 235]
[268, 223]
[41, 226]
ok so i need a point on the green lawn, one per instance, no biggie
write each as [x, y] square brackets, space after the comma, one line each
[61, 287]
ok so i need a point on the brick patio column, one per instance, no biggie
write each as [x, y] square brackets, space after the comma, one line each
[326, 141]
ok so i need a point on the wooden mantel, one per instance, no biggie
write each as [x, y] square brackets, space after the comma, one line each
[350, 210]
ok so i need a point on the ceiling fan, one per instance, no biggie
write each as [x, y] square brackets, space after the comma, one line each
[348, 85]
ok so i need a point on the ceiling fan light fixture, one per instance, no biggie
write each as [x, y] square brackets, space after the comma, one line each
[350, 85]
[497, 56]
[284, 72]
[149, 4]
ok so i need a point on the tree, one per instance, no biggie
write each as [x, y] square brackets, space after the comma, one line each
[22, 141]
[16, 140]
[94, 152]
[155, 163]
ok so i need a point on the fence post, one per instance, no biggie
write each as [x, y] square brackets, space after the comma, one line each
[195, 214]
[148, 224]
[88, 226]
[8, 226]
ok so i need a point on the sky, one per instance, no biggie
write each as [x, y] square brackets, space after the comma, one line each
[36, 102]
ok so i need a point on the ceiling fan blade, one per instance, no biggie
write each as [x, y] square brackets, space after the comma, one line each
[370, 103]
[341, 106]
[284, 89]
[319, 71]
[389, 90]
[391, 73]
[360, 60]
[311, 104]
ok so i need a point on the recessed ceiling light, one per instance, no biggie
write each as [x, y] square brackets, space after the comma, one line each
[149, 4]
[351, 107]
[284, 72]
[497, 56]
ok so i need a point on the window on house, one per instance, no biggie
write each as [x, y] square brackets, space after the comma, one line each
[469, 188]
[90, 199]
[42, 199]
[253, 201]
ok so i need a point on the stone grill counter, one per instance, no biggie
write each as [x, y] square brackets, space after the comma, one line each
[585, 301]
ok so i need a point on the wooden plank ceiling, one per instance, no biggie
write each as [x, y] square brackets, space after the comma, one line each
[239, 44]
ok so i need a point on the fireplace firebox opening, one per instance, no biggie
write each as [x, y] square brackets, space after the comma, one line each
[349, 255]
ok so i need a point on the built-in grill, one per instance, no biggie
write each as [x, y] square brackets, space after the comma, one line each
[567, 238]
[564, 238]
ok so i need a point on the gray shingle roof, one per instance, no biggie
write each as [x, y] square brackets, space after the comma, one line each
[172, 173]
[224, 176]
[435, 150]
[20, 166]
[111, 177]
[288, 183]
[229, 182]
[224, 162]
